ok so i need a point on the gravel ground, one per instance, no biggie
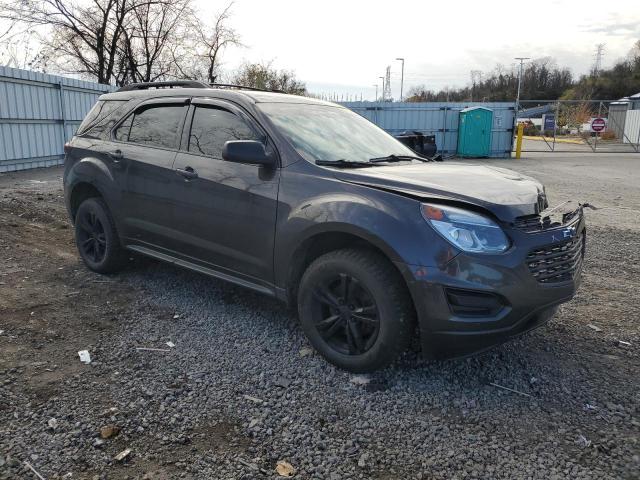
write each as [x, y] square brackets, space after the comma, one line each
[240, 391]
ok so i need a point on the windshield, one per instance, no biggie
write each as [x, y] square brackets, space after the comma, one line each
[328, 133]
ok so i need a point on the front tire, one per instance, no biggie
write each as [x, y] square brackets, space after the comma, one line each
[97, 238]
[355, 309]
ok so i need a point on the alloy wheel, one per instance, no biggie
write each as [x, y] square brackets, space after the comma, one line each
[91, 237]
[346, 315]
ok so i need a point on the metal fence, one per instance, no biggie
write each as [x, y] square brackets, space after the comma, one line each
[38, 114]
[439, 119]
[598, 126]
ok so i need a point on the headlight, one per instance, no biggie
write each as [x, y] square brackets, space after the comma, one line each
[469, 231]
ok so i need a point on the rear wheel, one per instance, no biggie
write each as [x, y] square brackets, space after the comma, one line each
[97, 238]
[355, 309]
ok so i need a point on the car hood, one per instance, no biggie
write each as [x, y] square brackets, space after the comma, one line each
[505, 193]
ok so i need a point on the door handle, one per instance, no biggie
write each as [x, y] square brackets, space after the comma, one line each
[116, 155]
[188, 173]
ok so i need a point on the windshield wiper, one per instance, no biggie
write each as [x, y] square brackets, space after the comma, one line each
[343, 163]
[398, 158]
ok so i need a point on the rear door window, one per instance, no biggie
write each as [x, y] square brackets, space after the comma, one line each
[153, 125]
[213, 127]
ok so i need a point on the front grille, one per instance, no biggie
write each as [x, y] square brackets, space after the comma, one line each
[556, 263]
[536, 223]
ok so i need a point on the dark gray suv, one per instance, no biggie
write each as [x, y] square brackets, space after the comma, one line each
[310, 203]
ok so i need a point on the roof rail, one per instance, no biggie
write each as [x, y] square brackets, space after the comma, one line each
[172, 84]
[242, 87]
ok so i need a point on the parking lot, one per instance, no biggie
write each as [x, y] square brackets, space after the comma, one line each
[240, 390]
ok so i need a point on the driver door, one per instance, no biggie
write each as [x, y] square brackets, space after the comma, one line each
[225, 211]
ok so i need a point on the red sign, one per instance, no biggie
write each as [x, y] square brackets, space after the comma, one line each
[598, 124]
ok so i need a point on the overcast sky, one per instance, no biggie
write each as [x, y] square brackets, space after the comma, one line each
[344, 46]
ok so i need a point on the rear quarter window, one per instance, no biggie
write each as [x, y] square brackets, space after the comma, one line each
[100, 118]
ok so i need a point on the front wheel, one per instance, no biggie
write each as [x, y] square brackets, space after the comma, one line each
[97, 237]
[355, 309]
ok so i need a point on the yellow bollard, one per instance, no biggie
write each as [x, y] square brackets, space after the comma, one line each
[519, 140]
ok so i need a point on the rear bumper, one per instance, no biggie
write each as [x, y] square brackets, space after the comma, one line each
[473, 302]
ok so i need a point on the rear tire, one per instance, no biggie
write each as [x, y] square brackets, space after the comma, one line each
[97, 238]
[355, 309]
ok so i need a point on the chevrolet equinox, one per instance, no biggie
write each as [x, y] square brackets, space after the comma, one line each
[310, 203]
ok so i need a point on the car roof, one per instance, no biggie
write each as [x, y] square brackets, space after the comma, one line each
[239, 95]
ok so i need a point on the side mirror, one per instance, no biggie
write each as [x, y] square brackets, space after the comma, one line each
[246, 151]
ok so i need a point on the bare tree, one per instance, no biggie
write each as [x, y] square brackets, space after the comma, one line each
[18, 51]
[83, 36]
[198, 53]
[634, 52]
[5, 30]
[12, 51]
[123, 41]
[146, 42]
[261, 75]
[214, 40]
[476, 77]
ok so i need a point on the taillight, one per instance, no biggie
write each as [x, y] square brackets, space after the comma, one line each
[67, 147]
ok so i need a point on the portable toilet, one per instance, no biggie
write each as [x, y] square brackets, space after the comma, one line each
[474, 132]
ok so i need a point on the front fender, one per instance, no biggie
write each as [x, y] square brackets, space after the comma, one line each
[344, 214]
[390, 222]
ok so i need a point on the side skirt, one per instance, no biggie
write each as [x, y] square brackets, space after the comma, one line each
[201, 269]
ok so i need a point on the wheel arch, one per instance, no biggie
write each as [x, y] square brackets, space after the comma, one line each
[81, 191]
[87, 178]
[320, 242]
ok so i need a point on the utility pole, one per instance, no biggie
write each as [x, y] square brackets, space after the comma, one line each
[376, 97]
[401, 77]
[383, 89]
[522, 59]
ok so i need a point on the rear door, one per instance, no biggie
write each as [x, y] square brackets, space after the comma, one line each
[226, 212]
[147, 141]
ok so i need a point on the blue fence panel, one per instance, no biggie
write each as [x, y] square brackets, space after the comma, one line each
[33, 129]
[439, 119]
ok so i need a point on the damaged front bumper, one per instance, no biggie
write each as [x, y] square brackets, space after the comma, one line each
[475, 302]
